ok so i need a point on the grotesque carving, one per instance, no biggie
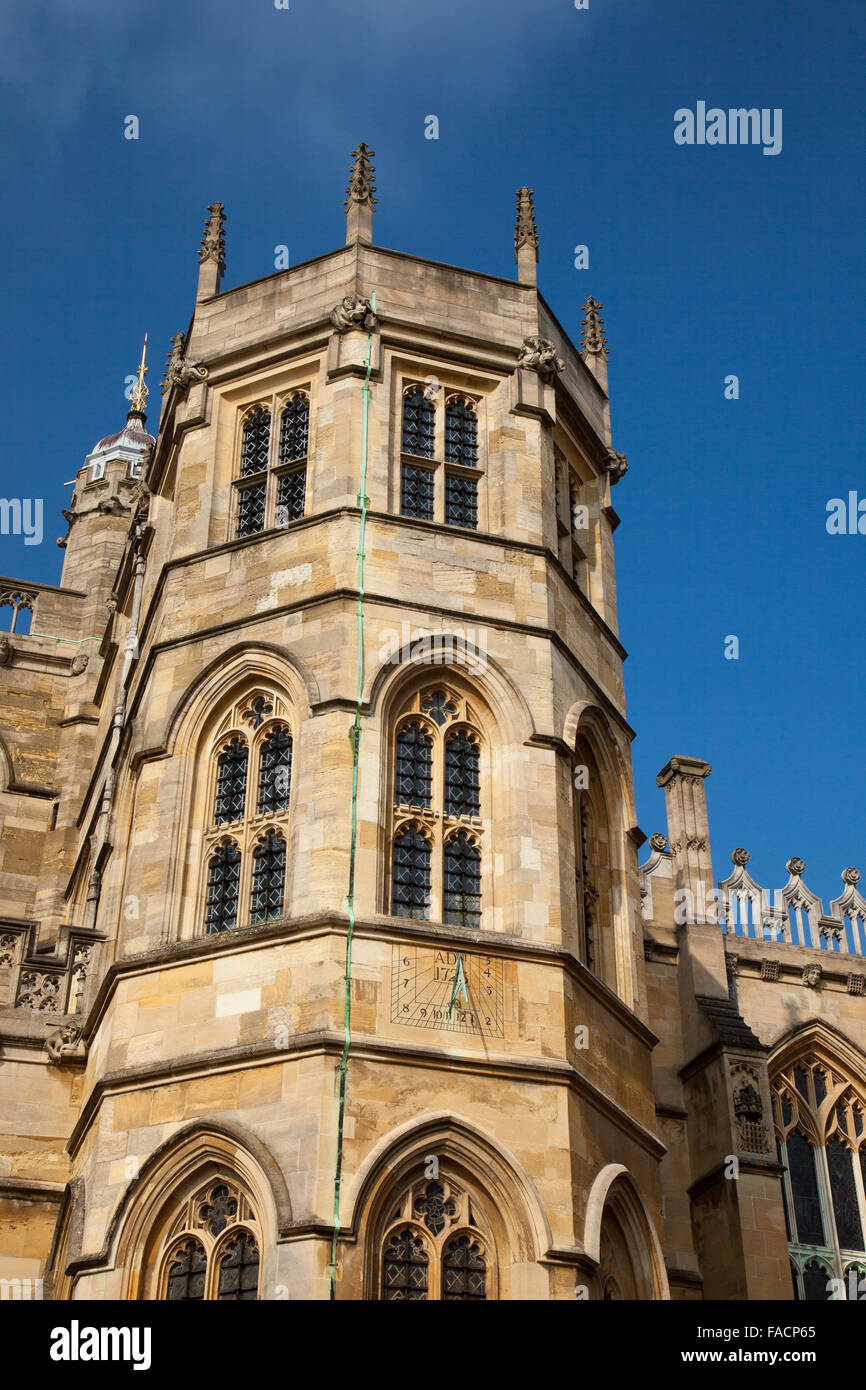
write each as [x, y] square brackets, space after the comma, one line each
[658, 842]
[539, 355]
[811, 976]
[617, 465]
[179, 370]
[353, 312]
[79, 664]
[62, 1042]
[5, 651]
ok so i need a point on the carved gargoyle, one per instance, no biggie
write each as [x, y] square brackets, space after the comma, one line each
[353, 312]
[62, 1043]
[539, 355]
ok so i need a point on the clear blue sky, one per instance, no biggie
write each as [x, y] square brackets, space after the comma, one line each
[708, 260]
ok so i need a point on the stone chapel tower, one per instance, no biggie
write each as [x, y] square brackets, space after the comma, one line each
[323, 958]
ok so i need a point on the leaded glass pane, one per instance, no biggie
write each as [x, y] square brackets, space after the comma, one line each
[462, 777]
[256, 443]
[291, 496]
[419, 424]
[432, 1208]
[269, 878]
[461, 434]
[804, 1187]
[464, 1271]
[295, 430]
[820, 1086]
[239, 1270]
[231, 787]
[816, 1282]
[844, 1192]
[462, 871]
[411, 874]
[251, 509]
[223, 886]
[275, 772]
[186, 1273]
[416, 492]
[461, 501]
[216, 1212]
[414, 766]
[801, 1081]
[583, 887]
[404, 1269]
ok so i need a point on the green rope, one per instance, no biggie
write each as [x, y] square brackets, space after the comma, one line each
[355, 738]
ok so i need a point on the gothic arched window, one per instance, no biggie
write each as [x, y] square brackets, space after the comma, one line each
[436, 855]
[272, 492]
[435, 1247]
[592, 841]
[451, 453]
[246, 872]
[211, 1248]
[819, 1115]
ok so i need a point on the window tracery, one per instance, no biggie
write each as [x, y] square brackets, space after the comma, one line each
[437, 827]
[435, 1248]
[246, 838]
[272, 482]
[211, 1248]
[819, 1120]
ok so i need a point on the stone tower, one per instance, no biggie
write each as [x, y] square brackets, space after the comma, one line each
[331, 914]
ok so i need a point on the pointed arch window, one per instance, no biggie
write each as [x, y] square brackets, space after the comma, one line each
[246, 872]
[271, 486]
[819, 1116]
[209, 1249]
[436, 1247]
[444, 487]
[437, 825]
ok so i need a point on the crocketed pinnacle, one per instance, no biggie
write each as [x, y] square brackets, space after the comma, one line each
[525, 231]
[362, 178]
[213, 241]
[592, 339]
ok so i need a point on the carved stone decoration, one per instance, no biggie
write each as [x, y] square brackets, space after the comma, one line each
[213, 241]
[796, 867]
[362, 177]
[749, 1110]
[732, 964]
[676, 846]
[696, 843]
[79, 664]
[770, 970]
[851, 875]
[179, 370]
[5, 651]
[658, 842]
[811, 976]
[617, 466]
[354, 312]
[856, 984]
[740, 857]
[38, 991]
[592, 339]
[8, 948]
[62, 1042]
[539, 355]
[647, 948]
[525, 231]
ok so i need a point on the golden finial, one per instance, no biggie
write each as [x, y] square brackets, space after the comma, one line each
[139, 395]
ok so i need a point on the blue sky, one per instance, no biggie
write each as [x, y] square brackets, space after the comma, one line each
[708, 260]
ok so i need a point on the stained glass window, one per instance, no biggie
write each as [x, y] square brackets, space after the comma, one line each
[295, 430]
[464, 1271]
[186, 1273]
[223, 886]
[404, 1269]
[411, 874]
[432, 1208]
[291, 496]
[439, 706]
[231, 787]
[419, 424]
[462, 776]
[461, 433]
[256, 442]
[239, 1269]
[816, 1282]
[462, 874]
[414, 766]
[461, 501]
[804, 1186]
[416, 492]
[844, 1193]
[216, 1211]
[275, 772]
